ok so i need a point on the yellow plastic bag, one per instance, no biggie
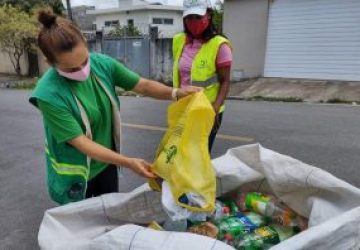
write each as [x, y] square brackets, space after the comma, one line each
[182, 158]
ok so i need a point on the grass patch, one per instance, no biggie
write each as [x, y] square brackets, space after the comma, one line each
[24, 84]
[275, 99]
[339, 101]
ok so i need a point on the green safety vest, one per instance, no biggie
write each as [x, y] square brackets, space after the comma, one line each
[67, 168]
[203, 71]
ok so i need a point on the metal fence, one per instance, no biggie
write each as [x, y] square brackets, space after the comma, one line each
[151, 58]
[132, 52]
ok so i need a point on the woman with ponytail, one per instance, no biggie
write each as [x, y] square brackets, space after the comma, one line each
[81, 112]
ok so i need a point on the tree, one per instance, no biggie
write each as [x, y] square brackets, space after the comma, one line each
[218, 13]
[28, 5]
[18, 32]
[124, 31]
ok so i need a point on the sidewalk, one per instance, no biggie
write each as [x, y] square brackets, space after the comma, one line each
[296, 89]
[14, 81]
[267, 89]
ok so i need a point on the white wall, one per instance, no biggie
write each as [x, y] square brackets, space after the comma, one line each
[143, 18]
[168, 31]
[100, 19]
[245, 24]
[6, 66]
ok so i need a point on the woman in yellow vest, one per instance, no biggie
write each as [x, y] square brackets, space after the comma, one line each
[202, 57]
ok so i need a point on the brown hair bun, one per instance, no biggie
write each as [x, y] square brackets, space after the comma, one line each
[47, 18]
[57, 35]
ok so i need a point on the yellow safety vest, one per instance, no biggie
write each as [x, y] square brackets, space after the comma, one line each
[203, 70]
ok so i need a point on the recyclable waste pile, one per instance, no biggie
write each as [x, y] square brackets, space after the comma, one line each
[246, 221]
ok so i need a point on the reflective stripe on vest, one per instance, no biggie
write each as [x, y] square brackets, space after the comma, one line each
[210, 81]
[67, 169]
[86, 121]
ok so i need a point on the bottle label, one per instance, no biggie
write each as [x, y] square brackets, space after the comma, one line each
[232, 226]
[268, 234]
[257, 202]
[248, 225]
[256, 219]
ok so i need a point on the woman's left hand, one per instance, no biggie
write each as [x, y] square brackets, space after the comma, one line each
[188, 91]
[216, 108]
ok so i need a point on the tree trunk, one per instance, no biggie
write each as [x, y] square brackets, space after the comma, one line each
[68, 7]
[17, 64]
[33, 69]
[18, 68]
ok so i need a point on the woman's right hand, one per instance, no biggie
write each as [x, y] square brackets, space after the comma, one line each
[100, 153]
[189, 90]
[141, 167]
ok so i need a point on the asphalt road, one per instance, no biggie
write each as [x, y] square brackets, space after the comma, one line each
[326, 136]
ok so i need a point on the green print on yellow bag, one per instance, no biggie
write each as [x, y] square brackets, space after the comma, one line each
[182, 158]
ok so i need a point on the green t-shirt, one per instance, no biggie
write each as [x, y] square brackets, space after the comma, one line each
[64, 126]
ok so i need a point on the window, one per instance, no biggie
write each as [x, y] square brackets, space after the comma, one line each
[82, 13]
[157, 21]
[130, 22]
[168, 21]
[111, 23]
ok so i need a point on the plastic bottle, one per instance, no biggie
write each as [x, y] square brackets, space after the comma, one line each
[234, 209]
[221, 211]
[252, 201]
[265, 237]
[257, 219]
[271, 208]
[228, 239]
[283, 215]
[232, 226]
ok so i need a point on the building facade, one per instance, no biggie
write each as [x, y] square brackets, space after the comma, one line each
[141, 14]
[312, 39]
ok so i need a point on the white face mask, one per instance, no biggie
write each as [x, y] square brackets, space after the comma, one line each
[80, 75]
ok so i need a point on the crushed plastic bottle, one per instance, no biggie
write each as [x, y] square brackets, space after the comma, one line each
[236, 226]
[265, 237]
[221, 211]
[234, 209]
[270, 207]
[257, 219]
[230, 240]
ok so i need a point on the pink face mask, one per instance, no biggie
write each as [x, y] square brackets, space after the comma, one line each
[80, 75]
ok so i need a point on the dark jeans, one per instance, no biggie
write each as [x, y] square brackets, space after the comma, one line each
[104, 183]
[214, 130]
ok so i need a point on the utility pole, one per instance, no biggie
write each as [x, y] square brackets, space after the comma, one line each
[68, 7]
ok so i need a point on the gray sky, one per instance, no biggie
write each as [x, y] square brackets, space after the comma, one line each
[112, 3]
[109, 3]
